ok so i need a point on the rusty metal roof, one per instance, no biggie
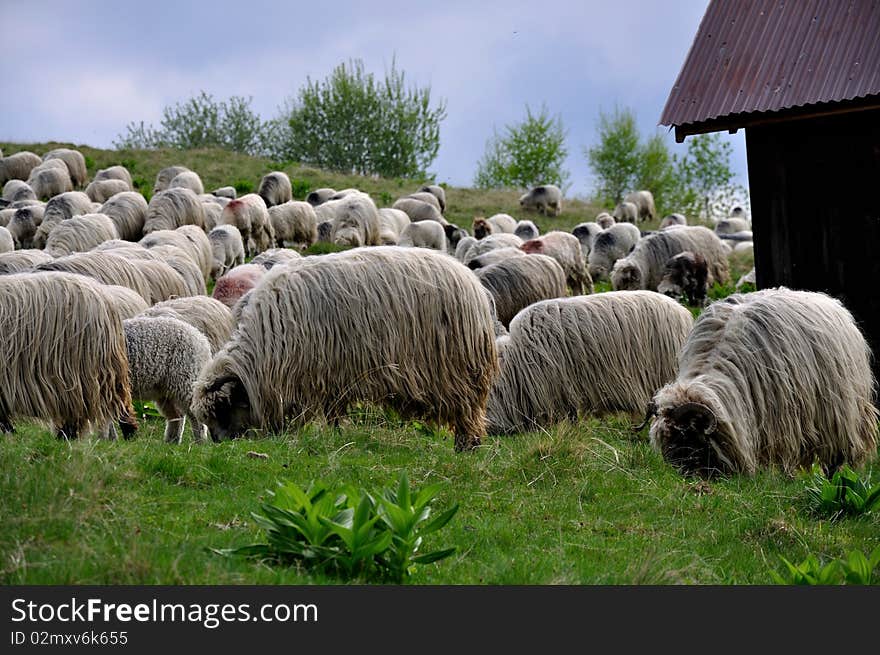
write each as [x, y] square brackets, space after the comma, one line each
[771, 55]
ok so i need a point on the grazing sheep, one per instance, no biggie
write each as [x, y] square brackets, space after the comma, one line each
[62, 356]
[275, 189]
[627, 212]
[61, 208]
[6, 215]
[187, 180]
[75, 162]
[18, 166]
[438, 192]
[6, 242]
[686, 276]
[190, 239]
[268, 259]
[598, 354]
[50, 181]
[325, 229]
[164, 177]
[128, 211]
[102, 190]
[165, 357]
[732, 225]
[643, 268]
[565, 249]
[182, 264]
[517, 282]
[610, 245]
[104, 267]
[491, 242]
[391, 224]
[173, 208]
[424, 234]
[419, 210]
[225, 192]
[604, 220]
[294, 223]
[497, 224]
[493, 257]
[671, 220]
[237, 282]
[464, 245]
[212, 214]
[311, 363]
[250, 216]
[208, 315]
[526, 230]
[127, 302]
[772, 378]
[320, 196]
[644, 201]
[24, 223]
[748, 278]
[454, 234]
[19, 261]
[18, 190]
[356, 221]
[80, 234]
[428, 197]
[114, 173]
[227, 249]
[585, 233]
[545, 199]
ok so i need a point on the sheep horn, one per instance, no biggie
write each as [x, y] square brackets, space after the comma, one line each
[696, 416]
[650, 412]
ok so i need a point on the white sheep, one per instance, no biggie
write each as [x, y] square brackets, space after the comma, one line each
[355, 221]
[227, 249]
[419, 210]
[18, 166]
[50, 181]
[423, 234]
[187, 180]
[225, 192]
[605, 220]
[545, 199]
[7, 244]
[102, 190]
[115, 173]
[439, 192]
[75, 162]
[391, 224]
[294, 223]
[275, 189]
[250, 215]
[566, 250]
[272, 257]
[208, 315]
[585, 233]
[496, 224]
[128, 211]
[173, 208]
[164, 177]
[517, 282]
[80, 234]
[18, 190]
[610, 245]
[627, 212]
[644, 201]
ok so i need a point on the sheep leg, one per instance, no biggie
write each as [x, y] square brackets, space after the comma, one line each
[467, 432]
[174, 429]
[6, 426]
[68, 431]
[108, 432]
[199, 430]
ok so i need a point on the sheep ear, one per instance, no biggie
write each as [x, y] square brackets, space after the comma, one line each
[217, 384]
[694, 417]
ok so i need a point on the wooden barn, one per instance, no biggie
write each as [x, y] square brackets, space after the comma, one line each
[803, 79]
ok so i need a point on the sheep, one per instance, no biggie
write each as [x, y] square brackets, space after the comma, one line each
[114, 173]
[104, 267]
[50, 181]
[585, 233]
[80, 234]
[493, 257]
[6, 215]
[75, 162]
[19, 261]
[208, 315]
[62, 356]
[774, 378]
[250, 216]
[102, 190]
[565, 249]
[187, 180]
[274, 257]
[517, 282]
[181, 262]
[671, 220]
[294, 223]
[463, 247]
[428, 197]
[731, 225]
[454, 234]
[6, 242]
[58, 209]
[526, 230]
[745, 248]
[610, 245]
[128, 211]
[544, 199]
[597, 355]
[497, 224]
[643, 267]
[486, 244]
[605, 220]
[320, 196]
[311, 363]
[438, 192]
[275, 188]
[356, 221]
[418, 210]
[173, 208]
[391, 224]
[227, 248]
[644, 201]
[325, 229]
[23, 225]
[165, 357]
[686, 275]
[626, 212]
[748, 278]
[212, 214]
[190, 239]
[164, 177]
[225, 192]
[236, 282]
[424, 234]
[737, 212]
[18, 166]
[18, 190]
[127, 302]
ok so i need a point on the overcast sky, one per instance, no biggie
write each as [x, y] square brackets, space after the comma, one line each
[80, 71]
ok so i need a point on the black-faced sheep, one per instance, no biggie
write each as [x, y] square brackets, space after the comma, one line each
[128, 211]
[493, 257]
[644, 201]
[173, 208]
[454, 234]
[598, 354]
[309, 364]
[225, 192]
[686, 276]
[208, 315]
[671, 220]
[18, 166]
[438, 192]
[526, 230]
[75, 162]
[545, 199]
[772, 378]
[566, 250]
[294, 223]
[18, 190]
[356, 221]
[61, 208]
[250, 215]
[517, 282]
[320, 196]
[164, 177]
[497, 224]
[80, 234]
[227, 249]
[102, 190]
[275, 188]
[626, 212]
[732, 225]
[23, 225]
[585, 233]
[423, 234]
[610, 245]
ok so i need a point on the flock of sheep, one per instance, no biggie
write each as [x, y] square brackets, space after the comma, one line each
[103, 298]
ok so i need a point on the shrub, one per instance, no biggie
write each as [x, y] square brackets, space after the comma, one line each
[856, 568]
[300, 188]
[243, 186]
[845, 494]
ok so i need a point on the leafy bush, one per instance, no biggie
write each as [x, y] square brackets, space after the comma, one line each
[386, 199]
[323, 248]
[855, 569]
[243, 186]
[845, 494]
[349, 532]
[300, 188]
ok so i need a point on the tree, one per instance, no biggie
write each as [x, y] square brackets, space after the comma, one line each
[354, 123]
[655, 171]
[615, 158]
[528, 154]
[705, 174]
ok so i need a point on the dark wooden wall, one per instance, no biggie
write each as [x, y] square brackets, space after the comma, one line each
[815, 196]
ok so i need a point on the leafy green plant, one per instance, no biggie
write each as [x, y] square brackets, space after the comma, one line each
[386, 199]
[300, 188]
[146, 410]
[845, 494]
[856, 568]
[243, 186]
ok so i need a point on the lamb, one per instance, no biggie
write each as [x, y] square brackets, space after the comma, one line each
[18, 166]
[310, 363]
[686, 275]
[268, 259]
[23, 225]
[643, 267]
[294, 223]
[62, 356]
[227, 248]
[208, 315]
[80, 234]
[438, 192]
[418, 210]
[644, 201]
[19, 261]
[605, 220]
[566, 250]
[128, 211]
[391, 224]
[774, 378]
[545, 199]
[250, 216]
[237, 282]
[356, 221]
[526, 230]
[424, 234]
[225, 192]
[610, 245]
[164, 177]
[585, 233]
[58, 209]
[75, 162]
[114, 173]
[275, 189]
[320, 196]
[517, 282]
[102, 190]
[50, 181]
[18, 190]
[165, 357]
[6, 242]
[626, 212]
[731, 225]
[493, 257]
[671, 220]
[173, 208]
[187, 180]
[596, 355]
[497, 224]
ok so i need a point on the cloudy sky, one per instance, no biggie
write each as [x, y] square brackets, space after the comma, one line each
[80, 71]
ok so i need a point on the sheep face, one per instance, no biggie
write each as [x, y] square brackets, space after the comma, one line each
[224, 406]
[690, 439]
[626, 276]
[348, 233]
[482, 228]
[686, 276]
